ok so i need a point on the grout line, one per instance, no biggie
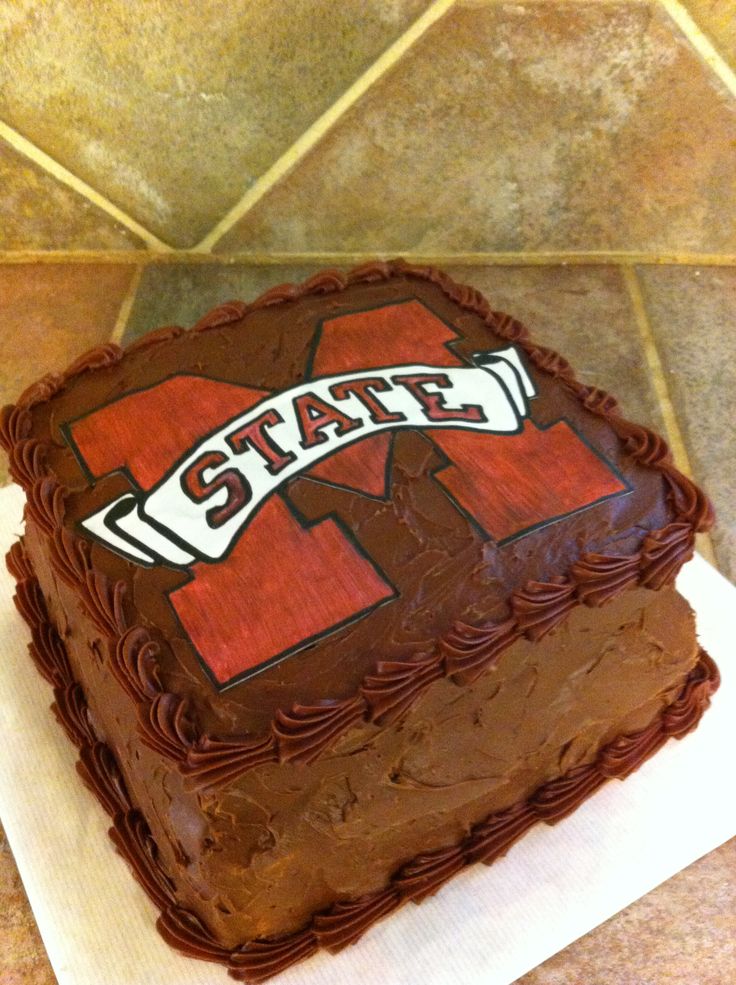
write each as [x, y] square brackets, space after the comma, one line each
[126, 307]
[313, 134]
[136, 257]
[657, 373]
[58, 171]
[702, 43]
[659, 382]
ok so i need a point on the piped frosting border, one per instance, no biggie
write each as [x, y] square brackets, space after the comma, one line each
[167, 722]
[345, 921]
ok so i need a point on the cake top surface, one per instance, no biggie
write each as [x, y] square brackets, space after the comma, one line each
[300, 511]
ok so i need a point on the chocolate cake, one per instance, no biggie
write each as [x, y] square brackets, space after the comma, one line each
[341, 591]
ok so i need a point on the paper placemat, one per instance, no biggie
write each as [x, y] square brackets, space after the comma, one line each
[489, 925]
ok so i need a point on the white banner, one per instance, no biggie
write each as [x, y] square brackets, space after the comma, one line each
[201, 506]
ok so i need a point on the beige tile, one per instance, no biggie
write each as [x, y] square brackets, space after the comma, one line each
[521, 126]
[682, 933]
[179, 294]
[50, 314]
[584, 312]
[38, 212]
[172, 110]
[693, 314]
[23, 960]
[717, 19]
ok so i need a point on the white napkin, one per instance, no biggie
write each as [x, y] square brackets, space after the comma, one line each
[488, 925]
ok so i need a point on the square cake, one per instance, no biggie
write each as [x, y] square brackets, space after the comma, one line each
[343, 590]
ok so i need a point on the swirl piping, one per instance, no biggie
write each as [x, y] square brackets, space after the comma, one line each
[210, 761]
[45, 504]
[27, 461]
[15, 424]
[223, 314]
[470, 650]
[540, 606]
[663, 554]
[134, 664]
[151, 339]
[600, 578]
[302, 733]
[396, 684]
[100, 357]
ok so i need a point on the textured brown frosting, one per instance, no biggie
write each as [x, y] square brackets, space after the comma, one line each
[346, 920]
[471, 623]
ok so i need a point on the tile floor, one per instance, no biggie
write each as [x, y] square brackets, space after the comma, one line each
[590, 127]
[474, 125]
[220, 114]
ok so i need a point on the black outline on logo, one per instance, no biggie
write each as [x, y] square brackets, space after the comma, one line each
[290, 456]
[190, 549]
[445, 462]
[111, 520]
[321, 436]
[448, 463]
[306, 524]
[384, 497]
[398, 380]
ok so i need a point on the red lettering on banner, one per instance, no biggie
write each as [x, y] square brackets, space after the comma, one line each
[255, 435]
[365, 390]
[433, 404]
[199, 489]
[314, 415]
[281, 584]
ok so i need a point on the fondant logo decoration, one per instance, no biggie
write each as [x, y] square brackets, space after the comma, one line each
[208, 462]
[203, 505]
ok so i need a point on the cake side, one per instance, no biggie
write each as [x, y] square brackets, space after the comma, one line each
[347, 920]
[340, 827]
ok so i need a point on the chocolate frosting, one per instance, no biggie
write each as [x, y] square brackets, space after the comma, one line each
[469, 650]
[396, 685]
[216, 762]
[27, 461]
[42, 390]
[347, 920]
[464, 608]
[391, 685]
[663, 554]
[135, 664]
[307, 729]
[97, 358]
[15, 424]
[540, 606]
[45, 504]
[600, 578]
[154, 339]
